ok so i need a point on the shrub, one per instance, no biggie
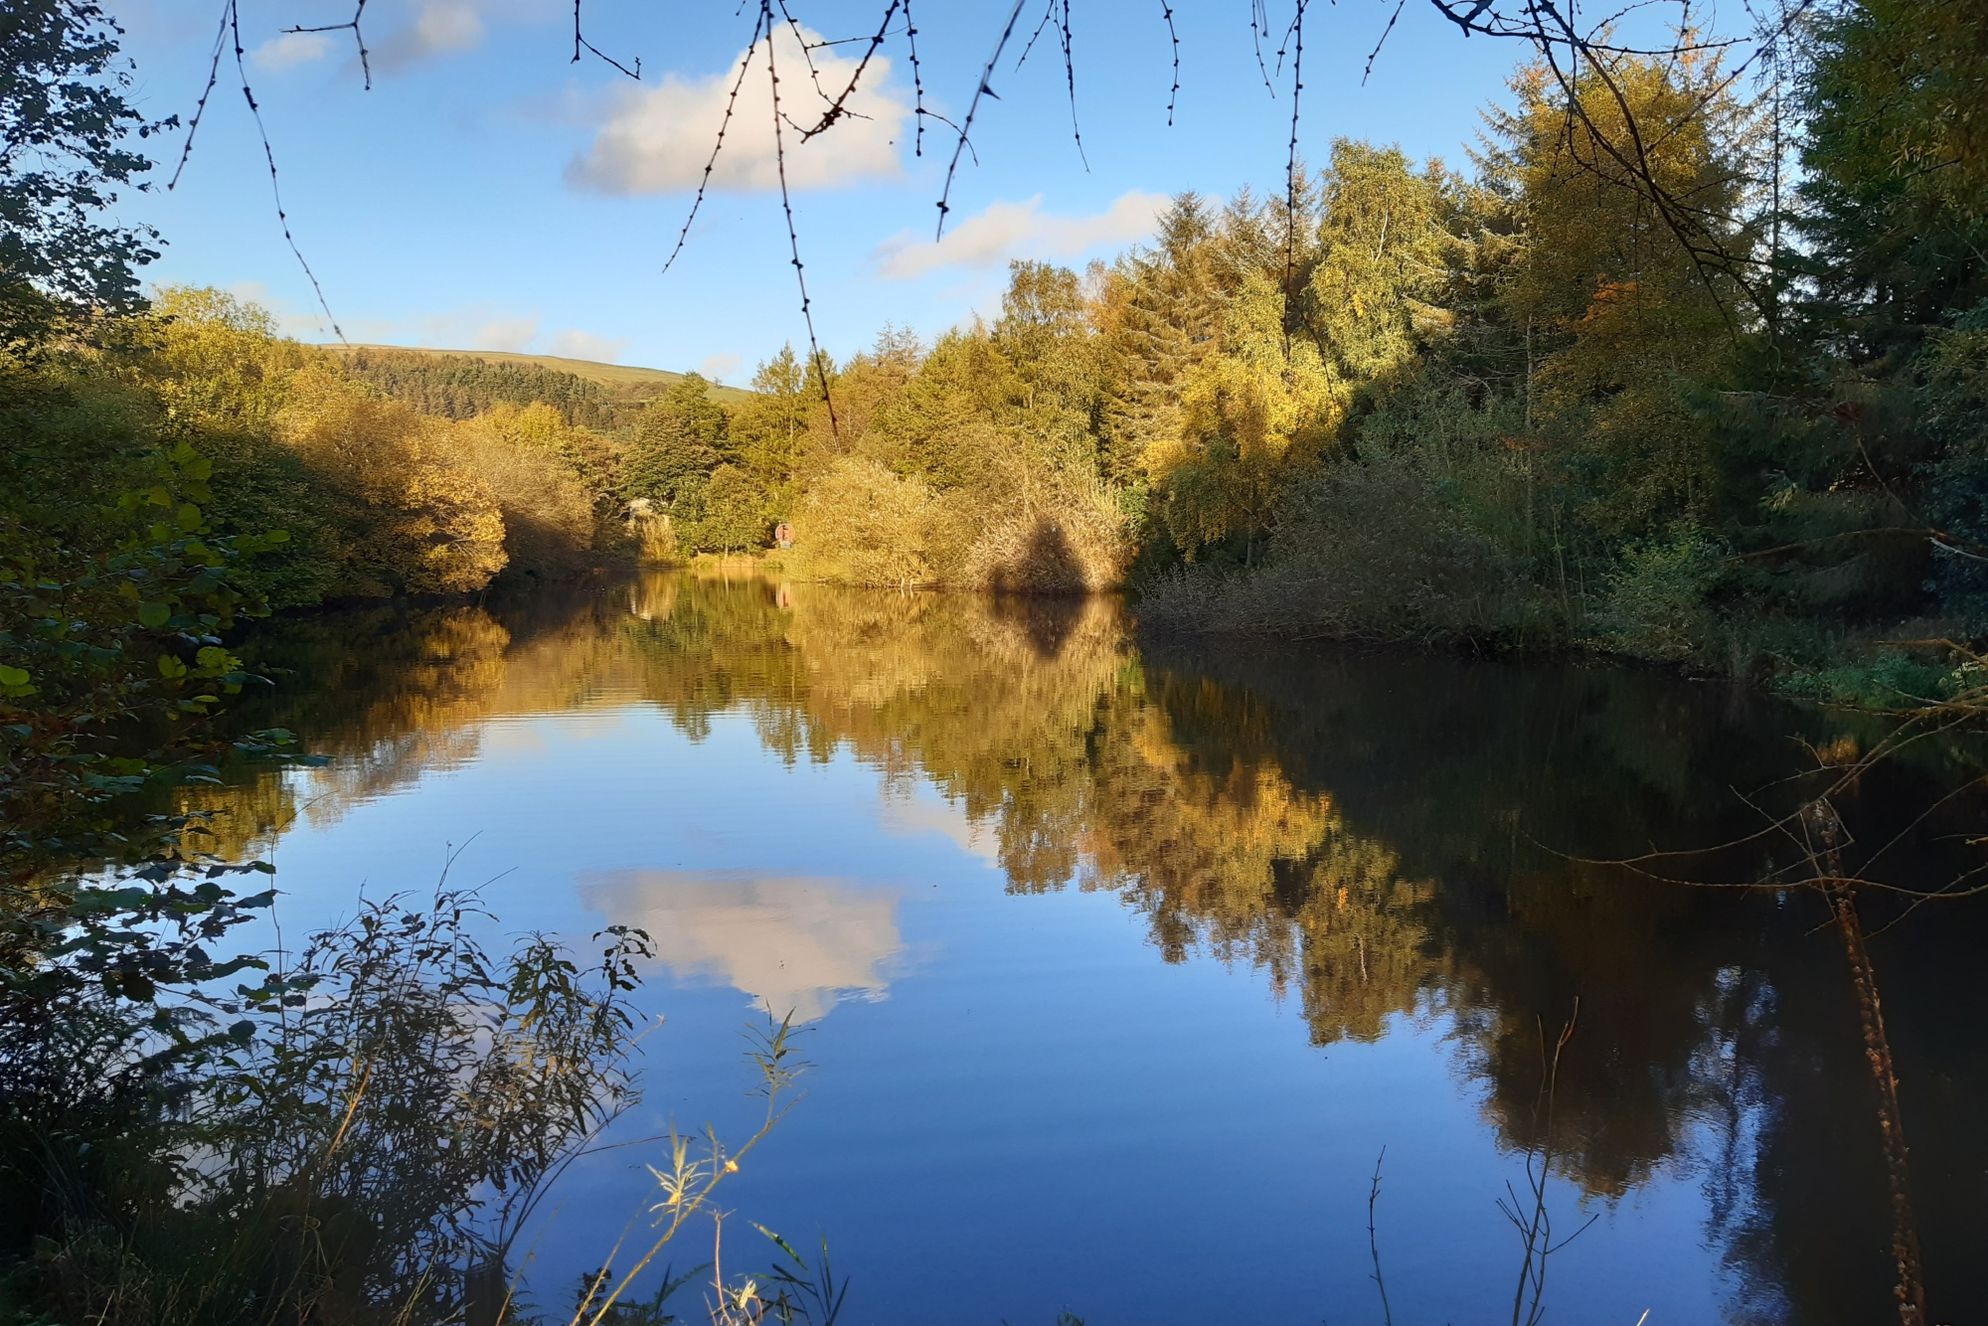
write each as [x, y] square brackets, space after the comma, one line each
[1074, 543]
[860, 524]
[1655, 605]
[1373, 550]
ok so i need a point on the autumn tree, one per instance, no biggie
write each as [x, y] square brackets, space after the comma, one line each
[1626, 320]
[1164, 321]
[1250, 415]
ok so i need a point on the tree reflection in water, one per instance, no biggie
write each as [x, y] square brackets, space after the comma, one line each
[1379, 834]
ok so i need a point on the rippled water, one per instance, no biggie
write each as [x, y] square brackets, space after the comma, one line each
[1121, 965]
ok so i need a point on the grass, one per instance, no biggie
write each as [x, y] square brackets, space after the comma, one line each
[627, 380]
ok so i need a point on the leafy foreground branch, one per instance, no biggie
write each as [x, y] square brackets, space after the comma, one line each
[349, 1134]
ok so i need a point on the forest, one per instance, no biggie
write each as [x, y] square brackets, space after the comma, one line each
[1720, 406]
[1686, 362]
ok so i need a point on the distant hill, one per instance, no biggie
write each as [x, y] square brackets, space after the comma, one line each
[459, 383]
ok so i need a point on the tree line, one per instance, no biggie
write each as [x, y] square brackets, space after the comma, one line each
[1720, 404]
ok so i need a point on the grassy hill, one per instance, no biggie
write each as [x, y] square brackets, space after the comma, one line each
[627, 383]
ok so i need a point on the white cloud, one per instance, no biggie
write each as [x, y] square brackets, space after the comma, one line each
[659, 139]
[720, 366]
[1020, 230]
[576, 344]
[440, 27]
[502, 334]
[291, 48]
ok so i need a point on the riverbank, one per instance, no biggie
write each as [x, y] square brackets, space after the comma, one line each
[1906, 664]
[1913, 664]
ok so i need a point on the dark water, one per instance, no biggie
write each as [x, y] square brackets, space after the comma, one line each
[1121, 964]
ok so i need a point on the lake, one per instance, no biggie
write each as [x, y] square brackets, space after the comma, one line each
[1119, 963]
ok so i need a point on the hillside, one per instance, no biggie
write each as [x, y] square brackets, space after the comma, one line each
[624, 384]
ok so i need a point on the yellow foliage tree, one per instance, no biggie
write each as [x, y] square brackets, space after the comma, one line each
[861, 524]
[432, 525]
[1251, 414]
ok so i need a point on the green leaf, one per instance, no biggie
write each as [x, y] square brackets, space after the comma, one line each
[153, 614]
[780, 1243]
[12, 676]
[170, 666]
[188, 517]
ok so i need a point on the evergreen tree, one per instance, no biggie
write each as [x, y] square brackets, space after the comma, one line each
[1166, 321]
[676, 443]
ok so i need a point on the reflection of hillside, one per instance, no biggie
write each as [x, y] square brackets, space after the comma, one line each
[794, 945]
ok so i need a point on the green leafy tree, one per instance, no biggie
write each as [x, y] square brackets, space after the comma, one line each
[65, 120]
[1384, 258]
[676, 444]
[1045, 333]
[1895, 158]
[735, 517]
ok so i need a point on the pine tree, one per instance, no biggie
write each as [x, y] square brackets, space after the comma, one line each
[1165, 323]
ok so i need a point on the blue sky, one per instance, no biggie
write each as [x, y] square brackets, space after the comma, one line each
[489, 193]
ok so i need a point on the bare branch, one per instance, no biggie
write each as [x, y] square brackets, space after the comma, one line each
[358, 38]
[787, 206]
[581, 43]
[980, 91]
[233, 20]
[837, 107]
[200, 107]
[759, 25]
[1374, 54]
[917, 83]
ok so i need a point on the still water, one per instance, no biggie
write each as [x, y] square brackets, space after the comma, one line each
[1121, 963]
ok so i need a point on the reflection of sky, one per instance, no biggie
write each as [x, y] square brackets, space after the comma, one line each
[794, 945]
[1042, 1115]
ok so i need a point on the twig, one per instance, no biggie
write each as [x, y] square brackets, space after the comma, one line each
[1374, 54]
[269, 155]
[359, 37]
[580, 43]
[718, 144]
[1291, 163]
[973, 108]
[837, 107]
[787, 206]
[917, 83]
[1373, 1239]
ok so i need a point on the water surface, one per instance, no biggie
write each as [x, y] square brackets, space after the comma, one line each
[1120, 965]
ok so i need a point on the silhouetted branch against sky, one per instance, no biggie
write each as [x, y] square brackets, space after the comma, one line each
[1578, 54]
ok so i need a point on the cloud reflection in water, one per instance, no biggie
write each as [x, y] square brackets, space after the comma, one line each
[793, 944]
